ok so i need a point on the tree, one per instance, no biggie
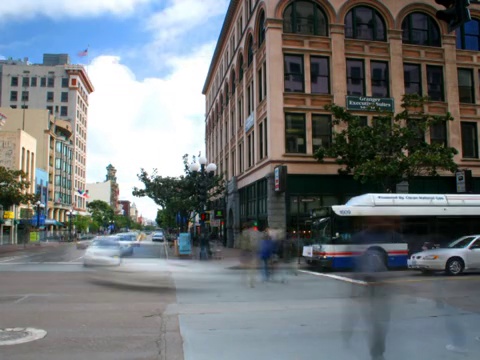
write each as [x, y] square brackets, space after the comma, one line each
[102, 212]
[166, 219]
[13, 186]
[178, 194]
[82, 223]
[392, 149]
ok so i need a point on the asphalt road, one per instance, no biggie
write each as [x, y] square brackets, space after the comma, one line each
[154, 308]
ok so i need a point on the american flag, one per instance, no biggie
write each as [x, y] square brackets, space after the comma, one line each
[83, 53]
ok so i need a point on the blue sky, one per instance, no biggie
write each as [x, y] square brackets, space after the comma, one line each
[147, 60]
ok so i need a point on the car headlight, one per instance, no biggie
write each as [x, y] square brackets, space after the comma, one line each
[430, 257]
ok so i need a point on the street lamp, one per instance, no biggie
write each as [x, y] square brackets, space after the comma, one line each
[70, 214]
[39, 206]
[203, 173]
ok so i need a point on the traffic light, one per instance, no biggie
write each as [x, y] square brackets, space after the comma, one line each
[205, 217]
[456, 13]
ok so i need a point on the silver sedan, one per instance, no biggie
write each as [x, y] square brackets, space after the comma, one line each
[460, 255]
[103, 251]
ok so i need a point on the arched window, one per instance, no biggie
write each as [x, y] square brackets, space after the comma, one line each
[420, 29]
[261, 28]
[227, 95]
[240, 68]
[468, 36]
[233, 81]
[305, 17]
[250, 51]
[365, 23]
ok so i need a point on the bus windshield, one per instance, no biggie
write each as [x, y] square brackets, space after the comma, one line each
[322, 231]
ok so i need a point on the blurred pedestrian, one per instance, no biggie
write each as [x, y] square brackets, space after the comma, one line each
[248, 246]
[265, 255]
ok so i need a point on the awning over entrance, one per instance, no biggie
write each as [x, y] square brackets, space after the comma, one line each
[53, 222]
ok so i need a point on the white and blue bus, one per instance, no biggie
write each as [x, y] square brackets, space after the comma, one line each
[391, 226]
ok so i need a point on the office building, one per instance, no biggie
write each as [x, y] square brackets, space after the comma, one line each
[277, 64]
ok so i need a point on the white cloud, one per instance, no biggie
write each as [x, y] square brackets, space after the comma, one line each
[181, 16]
[150, 123]
[57, 8]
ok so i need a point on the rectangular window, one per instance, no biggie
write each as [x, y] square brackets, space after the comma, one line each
[438, 134]
[260, 85]
[355, 77]
[25, 81]
[49, 95]
[379, 77]
[465, 86]
[250, 99]
[321, 131]
[265, 136]
[435, 83]
[64, 97]
[293, 73]
[64, 82]
[50, 108]
[295, 137]
[14, 81]
[33, 82]
[319, 75]
[63, 110]
[260, 141]
[412, 76]
[232, 124]
[13, 95]
[469, 140]
[240, 113]
[240, 157]
[251, 149]
[24, 95]
[51, 82]
[43, 81]
[414, 125]
[233, 157]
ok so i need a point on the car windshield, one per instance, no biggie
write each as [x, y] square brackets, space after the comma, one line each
[461, 243]
[105, 243]
[127, 237]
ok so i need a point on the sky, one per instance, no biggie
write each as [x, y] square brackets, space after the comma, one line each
[147, 59]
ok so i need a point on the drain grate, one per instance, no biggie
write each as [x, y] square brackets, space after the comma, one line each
[13, 336]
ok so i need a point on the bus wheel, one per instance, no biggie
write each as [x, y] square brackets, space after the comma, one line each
[454, 266]
[377, 260]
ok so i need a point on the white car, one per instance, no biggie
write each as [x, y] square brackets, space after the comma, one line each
[158, 236]
[460, 255]
[103, 251]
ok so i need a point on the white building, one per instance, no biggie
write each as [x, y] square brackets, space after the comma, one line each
[60, 87]
[100, 191]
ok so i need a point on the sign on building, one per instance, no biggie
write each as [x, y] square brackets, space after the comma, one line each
[280, 175]
[369, 103]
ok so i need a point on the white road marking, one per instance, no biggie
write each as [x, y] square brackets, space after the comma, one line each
[336, 277]
[42, 263]
[79, 258]
[5, 259]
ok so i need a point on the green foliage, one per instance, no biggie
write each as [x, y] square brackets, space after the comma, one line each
[82, 223]
[392, 149]
[102, 212]
[177, 194]
[13, 184]
[166, 218]
[122, 222]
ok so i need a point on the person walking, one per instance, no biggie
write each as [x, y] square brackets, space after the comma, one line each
[265, 255]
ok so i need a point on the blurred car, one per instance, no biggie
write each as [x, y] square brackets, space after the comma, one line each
[125, 242]
[103, 251]
[158, 236]
[128, 239]
[460, 255]
[83, 244]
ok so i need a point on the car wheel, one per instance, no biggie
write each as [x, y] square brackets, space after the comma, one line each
[376, 260]
[454, 266]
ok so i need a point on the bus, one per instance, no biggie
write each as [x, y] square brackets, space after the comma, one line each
[389, 226]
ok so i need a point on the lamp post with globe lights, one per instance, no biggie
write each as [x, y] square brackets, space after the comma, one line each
[70, 214]
[202, 174]
[39, 206]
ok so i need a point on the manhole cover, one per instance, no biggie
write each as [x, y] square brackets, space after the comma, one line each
[13, 336]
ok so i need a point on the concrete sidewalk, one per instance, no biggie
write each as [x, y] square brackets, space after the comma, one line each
[10, 248]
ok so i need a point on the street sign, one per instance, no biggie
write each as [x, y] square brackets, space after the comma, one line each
[8, 215]
[369, 103]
